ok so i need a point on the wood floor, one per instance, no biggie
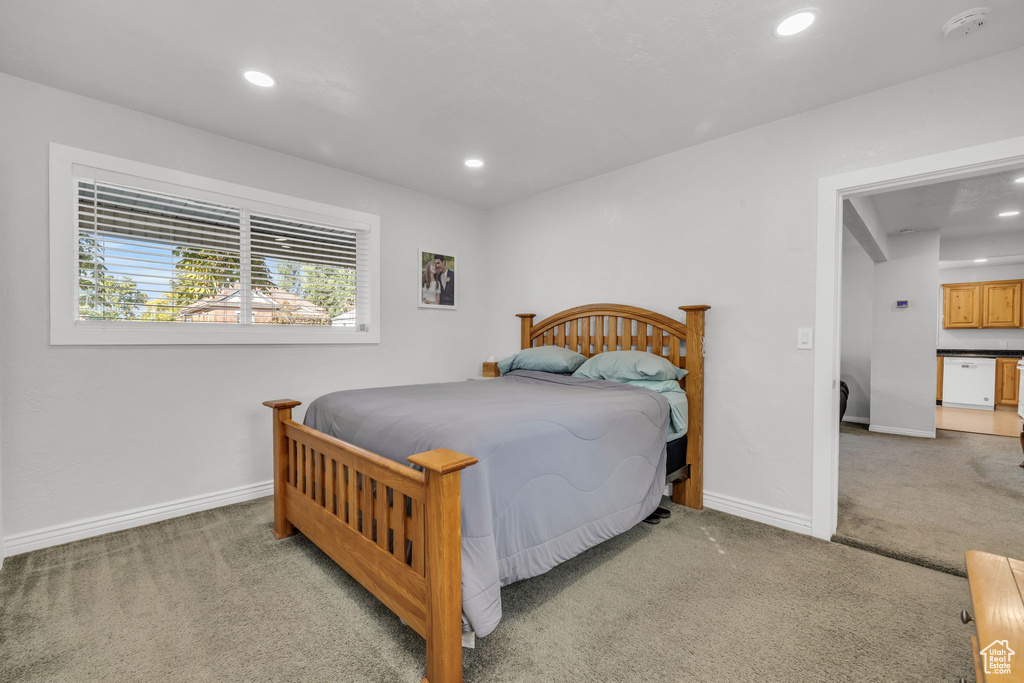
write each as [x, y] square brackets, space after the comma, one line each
[998, 422]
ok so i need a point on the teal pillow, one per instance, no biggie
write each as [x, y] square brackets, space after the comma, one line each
[676, 397]
[623, 366]
[544, 359]
[662, 386]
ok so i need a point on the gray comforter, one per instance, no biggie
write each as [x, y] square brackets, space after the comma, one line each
[564, 464]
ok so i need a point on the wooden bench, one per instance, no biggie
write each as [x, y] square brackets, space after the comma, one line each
[998, 602]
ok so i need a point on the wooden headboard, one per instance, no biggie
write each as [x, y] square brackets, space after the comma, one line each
[597, 328]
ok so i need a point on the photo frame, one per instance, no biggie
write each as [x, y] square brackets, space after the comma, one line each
[435, 286]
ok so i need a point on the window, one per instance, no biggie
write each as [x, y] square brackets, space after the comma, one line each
[145, 250]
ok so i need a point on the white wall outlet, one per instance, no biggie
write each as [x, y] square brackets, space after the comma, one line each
[805, 338]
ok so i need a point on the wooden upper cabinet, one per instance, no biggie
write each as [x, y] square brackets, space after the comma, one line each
[1007, 381]
[961, 305]
[982, 304]
[1001, 304]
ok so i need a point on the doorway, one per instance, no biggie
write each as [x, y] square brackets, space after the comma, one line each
[938, 296]
[833, 191]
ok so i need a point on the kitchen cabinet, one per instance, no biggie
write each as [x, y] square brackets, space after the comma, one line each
[982, 305]
[1007, 381]
[961, 305]
[1000, 304]
[938, 388]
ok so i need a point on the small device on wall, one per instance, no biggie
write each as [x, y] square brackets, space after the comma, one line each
[902, 304]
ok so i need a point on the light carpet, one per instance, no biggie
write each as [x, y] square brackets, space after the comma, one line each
[928, 501]
[703, 597]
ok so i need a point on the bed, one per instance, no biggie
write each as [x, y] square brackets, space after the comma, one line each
[398, 529]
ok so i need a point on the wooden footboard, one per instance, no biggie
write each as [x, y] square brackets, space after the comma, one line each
[395, 530]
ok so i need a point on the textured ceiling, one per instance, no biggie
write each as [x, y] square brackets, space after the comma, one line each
[546, 91]
[958, 208]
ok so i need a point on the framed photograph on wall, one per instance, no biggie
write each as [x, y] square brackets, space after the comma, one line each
[437, 280]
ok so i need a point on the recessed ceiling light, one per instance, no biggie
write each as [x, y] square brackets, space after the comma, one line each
[1019, 180]
[474, 163]
[259, 78]
[281, 239]
[980, 260]
[795, 23]
[1008, 214]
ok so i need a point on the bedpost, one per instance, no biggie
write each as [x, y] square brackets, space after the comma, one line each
[690, 491]
[443, 566]
[526, 324]
[282, 413]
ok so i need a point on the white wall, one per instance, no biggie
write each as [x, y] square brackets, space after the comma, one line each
[903, 370]
[855, 359]
[94, 431]
[731, 223]
[2, 289]
[980, 339]
[970, 247]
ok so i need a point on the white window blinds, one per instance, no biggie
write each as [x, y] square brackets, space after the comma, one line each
[147, 256]
[313, 267]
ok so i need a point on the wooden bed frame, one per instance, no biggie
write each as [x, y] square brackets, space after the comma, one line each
[398, 531]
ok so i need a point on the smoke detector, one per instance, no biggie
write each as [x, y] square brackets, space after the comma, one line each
[966, 23]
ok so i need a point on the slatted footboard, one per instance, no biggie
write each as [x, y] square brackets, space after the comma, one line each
[395, 530]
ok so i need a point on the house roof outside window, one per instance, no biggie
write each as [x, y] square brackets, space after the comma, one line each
[268, 306]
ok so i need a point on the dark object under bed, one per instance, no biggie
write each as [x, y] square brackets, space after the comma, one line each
[676, 455]
[675, 460]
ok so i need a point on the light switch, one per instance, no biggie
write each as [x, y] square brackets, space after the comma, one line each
[805, 338]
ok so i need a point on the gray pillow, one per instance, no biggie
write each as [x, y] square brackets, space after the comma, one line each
[544, 359]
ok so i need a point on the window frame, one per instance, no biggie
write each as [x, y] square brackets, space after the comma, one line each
[68, 162]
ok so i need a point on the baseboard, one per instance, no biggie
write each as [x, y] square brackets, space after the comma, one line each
[94, 526]
[882, 429]
[969, 406]
[765, 514]
[858, 420]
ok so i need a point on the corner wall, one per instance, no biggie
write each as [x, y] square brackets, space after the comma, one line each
[903, 370]
[96, 438]
[732, 223]
[855, 346]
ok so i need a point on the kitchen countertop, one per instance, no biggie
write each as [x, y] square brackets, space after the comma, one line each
[977, 353]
